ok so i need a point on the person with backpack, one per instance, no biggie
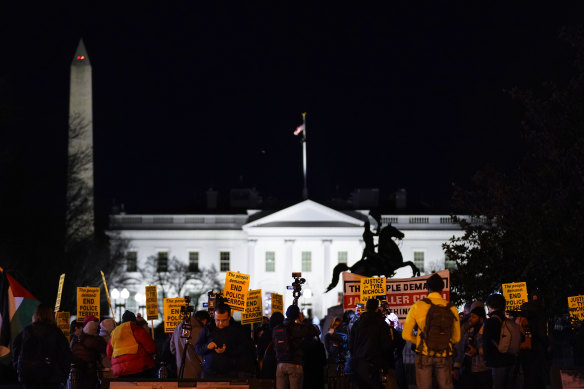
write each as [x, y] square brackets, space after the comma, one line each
[41, 354]
[501, 341]
[438, 329]
[287, 341]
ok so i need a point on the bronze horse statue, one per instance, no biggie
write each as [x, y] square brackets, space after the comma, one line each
[384, 262]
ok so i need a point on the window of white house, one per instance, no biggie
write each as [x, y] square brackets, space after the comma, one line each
[132, 261]
[306, 261]
[449, 263]
[343, 257]
[194, 261]
[270, 261]
[162, 262]
[224, 261]
[419, 260]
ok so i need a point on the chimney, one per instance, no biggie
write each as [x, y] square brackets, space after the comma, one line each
[401, 199]
[212, 196]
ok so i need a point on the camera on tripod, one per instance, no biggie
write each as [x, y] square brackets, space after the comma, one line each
[296, 286]
[186, 311]
[214, 299]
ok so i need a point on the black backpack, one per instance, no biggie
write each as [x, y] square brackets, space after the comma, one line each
[438, 328]
[281, 342]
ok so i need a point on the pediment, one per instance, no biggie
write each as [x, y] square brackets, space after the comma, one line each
[307, 214]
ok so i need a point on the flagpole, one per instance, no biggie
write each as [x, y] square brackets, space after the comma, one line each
[305, 189]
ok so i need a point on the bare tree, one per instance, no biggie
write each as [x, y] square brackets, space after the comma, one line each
[178, 279]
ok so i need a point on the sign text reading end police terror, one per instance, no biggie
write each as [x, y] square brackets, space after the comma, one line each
[235, 292]
[88, 302]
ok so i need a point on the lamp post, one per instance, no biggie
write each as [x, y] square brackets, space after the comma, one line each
[141, 300]
[117, 295]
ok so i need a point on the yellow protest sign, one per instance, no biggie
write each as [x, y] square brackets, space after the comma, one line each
[151, 303]
[88, 302]
[253, 307]
[515, 294]
[63, 323]
[59, 292]
[109, 301]
[172, 314]
[372, 287]
[236, 286]
[576, 307]
[277, 303]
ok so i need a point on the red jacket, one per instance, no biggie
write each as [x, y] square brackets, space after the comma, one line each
[130, 349]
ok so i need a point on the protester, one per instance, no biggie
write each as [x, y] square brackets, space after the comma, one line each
[75, 329]
[314, 359]
[287, 339]
[178, 342]
[504, 366]
[41, 354]
[434, 345]
[269, 363]
[533, 349]
[105, 329]
[221, 345]
[333, 343]
[131, 349]
[371, 348]
[87, 351]
[470, 368]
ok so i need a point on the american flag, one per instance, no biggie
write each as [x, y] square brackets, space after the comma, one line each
[299, 129]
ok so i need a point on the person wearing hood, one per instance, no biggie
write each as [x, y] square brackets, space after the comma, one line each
[193, 362]
[87, 350]
[131, 349]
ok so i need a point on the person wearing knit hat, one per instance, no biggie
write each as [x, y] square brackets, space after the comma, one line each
[131, 349]
[431, 361]
[89, 318]
[290, 370]
[87, 350]
[105, 329]
[469, 365]
[128, 316]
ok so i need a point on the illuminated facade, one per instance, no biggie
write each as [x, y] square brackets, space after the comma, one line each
[307, 237]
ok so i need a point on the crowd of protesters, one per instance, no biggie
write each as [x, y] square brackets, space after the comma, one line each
[357, 350]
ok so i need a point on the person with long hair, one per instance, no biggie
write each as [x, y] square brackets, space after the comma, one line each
[41, 354]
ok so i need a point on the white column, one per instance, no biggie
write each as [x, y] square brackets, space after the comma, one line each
[327, 271]
[251, 244]
[288, 259]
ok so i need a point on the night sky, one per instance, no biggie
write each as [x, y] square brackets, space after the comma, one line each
[197, 95]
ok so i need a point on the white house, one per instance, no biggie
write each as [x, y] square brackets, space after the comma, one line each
[306, 237]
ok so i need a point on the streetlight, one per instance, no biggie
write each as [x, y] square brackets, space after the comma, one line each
[123, 295]
[141, 300]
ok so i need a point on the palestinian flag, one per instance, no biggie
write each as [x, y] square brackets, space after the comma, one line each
[16, 308]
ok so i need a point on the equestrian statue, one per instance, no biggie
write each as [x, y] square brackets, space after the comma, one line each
[383, 262]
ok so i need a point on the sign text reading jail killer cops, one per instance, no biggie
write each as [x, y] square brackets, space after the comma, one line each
[253, 307]
[576, 307]
[515, 294]
[87, 302]
[236, 286]
[401, 293]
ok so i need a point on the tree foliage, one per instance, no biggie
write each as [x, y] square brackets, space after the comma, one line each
[532, 218]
